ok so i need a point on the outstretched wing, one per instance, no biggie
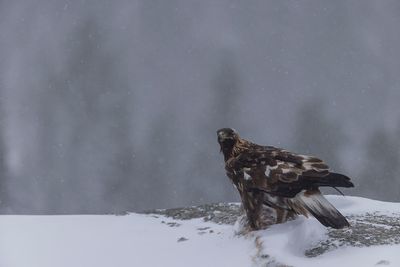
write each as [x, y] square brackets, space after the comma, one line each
[285, 173]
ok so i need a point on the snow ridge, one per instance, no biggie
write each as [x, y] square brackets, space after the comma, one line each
[202, 236]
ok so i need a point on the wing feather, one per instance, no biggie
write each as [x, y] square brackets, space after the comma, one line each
[286, 173]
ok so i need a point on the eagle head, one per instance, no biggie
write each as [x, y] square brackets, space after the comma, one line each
[227, 139]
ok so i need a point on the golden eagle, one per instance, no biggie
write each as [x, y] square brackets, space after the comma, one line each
[276, 185]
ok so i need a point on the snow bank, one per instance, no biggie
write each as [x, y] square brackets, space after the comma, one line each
[157, 240]
[287, 243]
[131, 240]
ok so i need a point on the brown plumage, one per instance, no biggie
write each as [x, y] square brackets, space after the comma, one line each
[276, 185]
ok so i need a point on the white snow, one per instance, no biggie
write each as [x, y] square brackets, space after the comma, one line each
[131, 240]
[287, 242]
[148, 240]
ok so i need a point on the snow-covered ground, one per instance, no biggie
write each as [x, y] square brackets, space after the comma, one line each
[156, 240]
[287, 243]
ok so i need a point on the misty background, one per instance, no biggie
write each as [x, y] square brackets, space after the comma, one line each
[113, 106]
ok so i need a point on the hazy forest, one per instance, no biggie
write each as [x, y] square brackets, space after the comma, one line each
[113, 106]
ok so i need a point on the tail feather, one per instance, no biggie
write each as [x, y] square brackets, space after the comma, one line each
[314, 203]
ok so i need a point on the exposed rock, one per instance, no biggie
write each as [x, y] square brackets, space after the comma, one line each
[366, 230]
[382, 262]
[220, 213]
[182, 239]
